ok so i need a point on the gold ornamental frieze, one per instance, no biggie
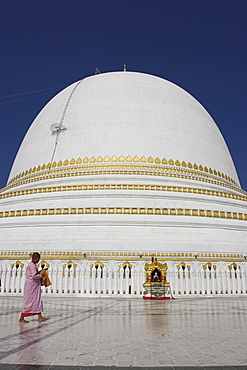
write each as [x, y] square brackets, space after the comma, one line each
[123, 256]
[125, 211]
[119, 186]
[127, 163]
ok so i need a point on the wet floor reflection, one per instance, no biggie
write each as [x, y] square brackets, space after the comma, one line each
[127, 332]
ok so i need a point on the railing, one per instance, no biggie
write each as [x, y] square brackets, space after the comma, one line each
[115, 280]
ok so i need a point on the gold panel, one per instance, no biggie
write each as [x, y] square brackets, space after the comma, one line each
[136, 159]
[165, 211]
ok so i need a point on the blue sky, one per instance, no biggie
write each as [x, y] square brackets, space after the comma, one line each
[198, 44]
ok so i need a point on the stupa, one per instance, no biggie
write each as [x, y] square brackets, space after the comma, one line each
[117, 168]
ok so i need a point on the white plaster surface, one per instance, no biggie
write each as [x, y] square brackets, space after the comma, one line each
[125, 113]
[133, 332]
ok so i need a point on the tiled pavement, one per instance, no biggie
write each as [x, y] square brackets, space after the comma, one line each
[85, 332]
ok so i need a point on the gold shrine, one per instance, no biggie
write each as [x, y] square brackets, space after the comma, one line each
[156, 285]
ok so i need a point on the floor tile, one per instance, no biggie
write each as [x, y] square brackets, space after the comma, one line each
[119, 332]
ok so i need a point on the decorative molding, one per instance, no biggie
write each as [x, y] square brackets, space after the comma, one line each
[68, 266]
[146, 187]
[17, 264]
[83, 164]
[150, 173]
[43, 264]
[182, 265]
[210, 267]
[125, 211]
[122, 256]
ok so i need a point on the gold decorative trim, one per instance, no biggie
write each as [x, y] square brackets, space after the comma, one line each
[17, 264]
[69, 264]
[43, 264]
[124, 265]
[129, 255]
[183, 266]
[146, 187]
[135, 172]
[86, 162]
[97, 265]
[209, 266]
[126, 211]
[132, 256]
[233, 267]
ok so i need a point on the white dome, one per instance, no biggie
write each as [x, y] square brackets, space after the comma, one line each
[128, 114]
[141, 166]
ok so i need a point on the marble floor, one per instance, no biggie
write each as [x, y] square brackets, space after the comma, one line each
[81, 332]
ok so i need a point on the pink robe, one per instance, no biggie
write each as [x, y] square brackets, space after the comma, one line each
[32, 303]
